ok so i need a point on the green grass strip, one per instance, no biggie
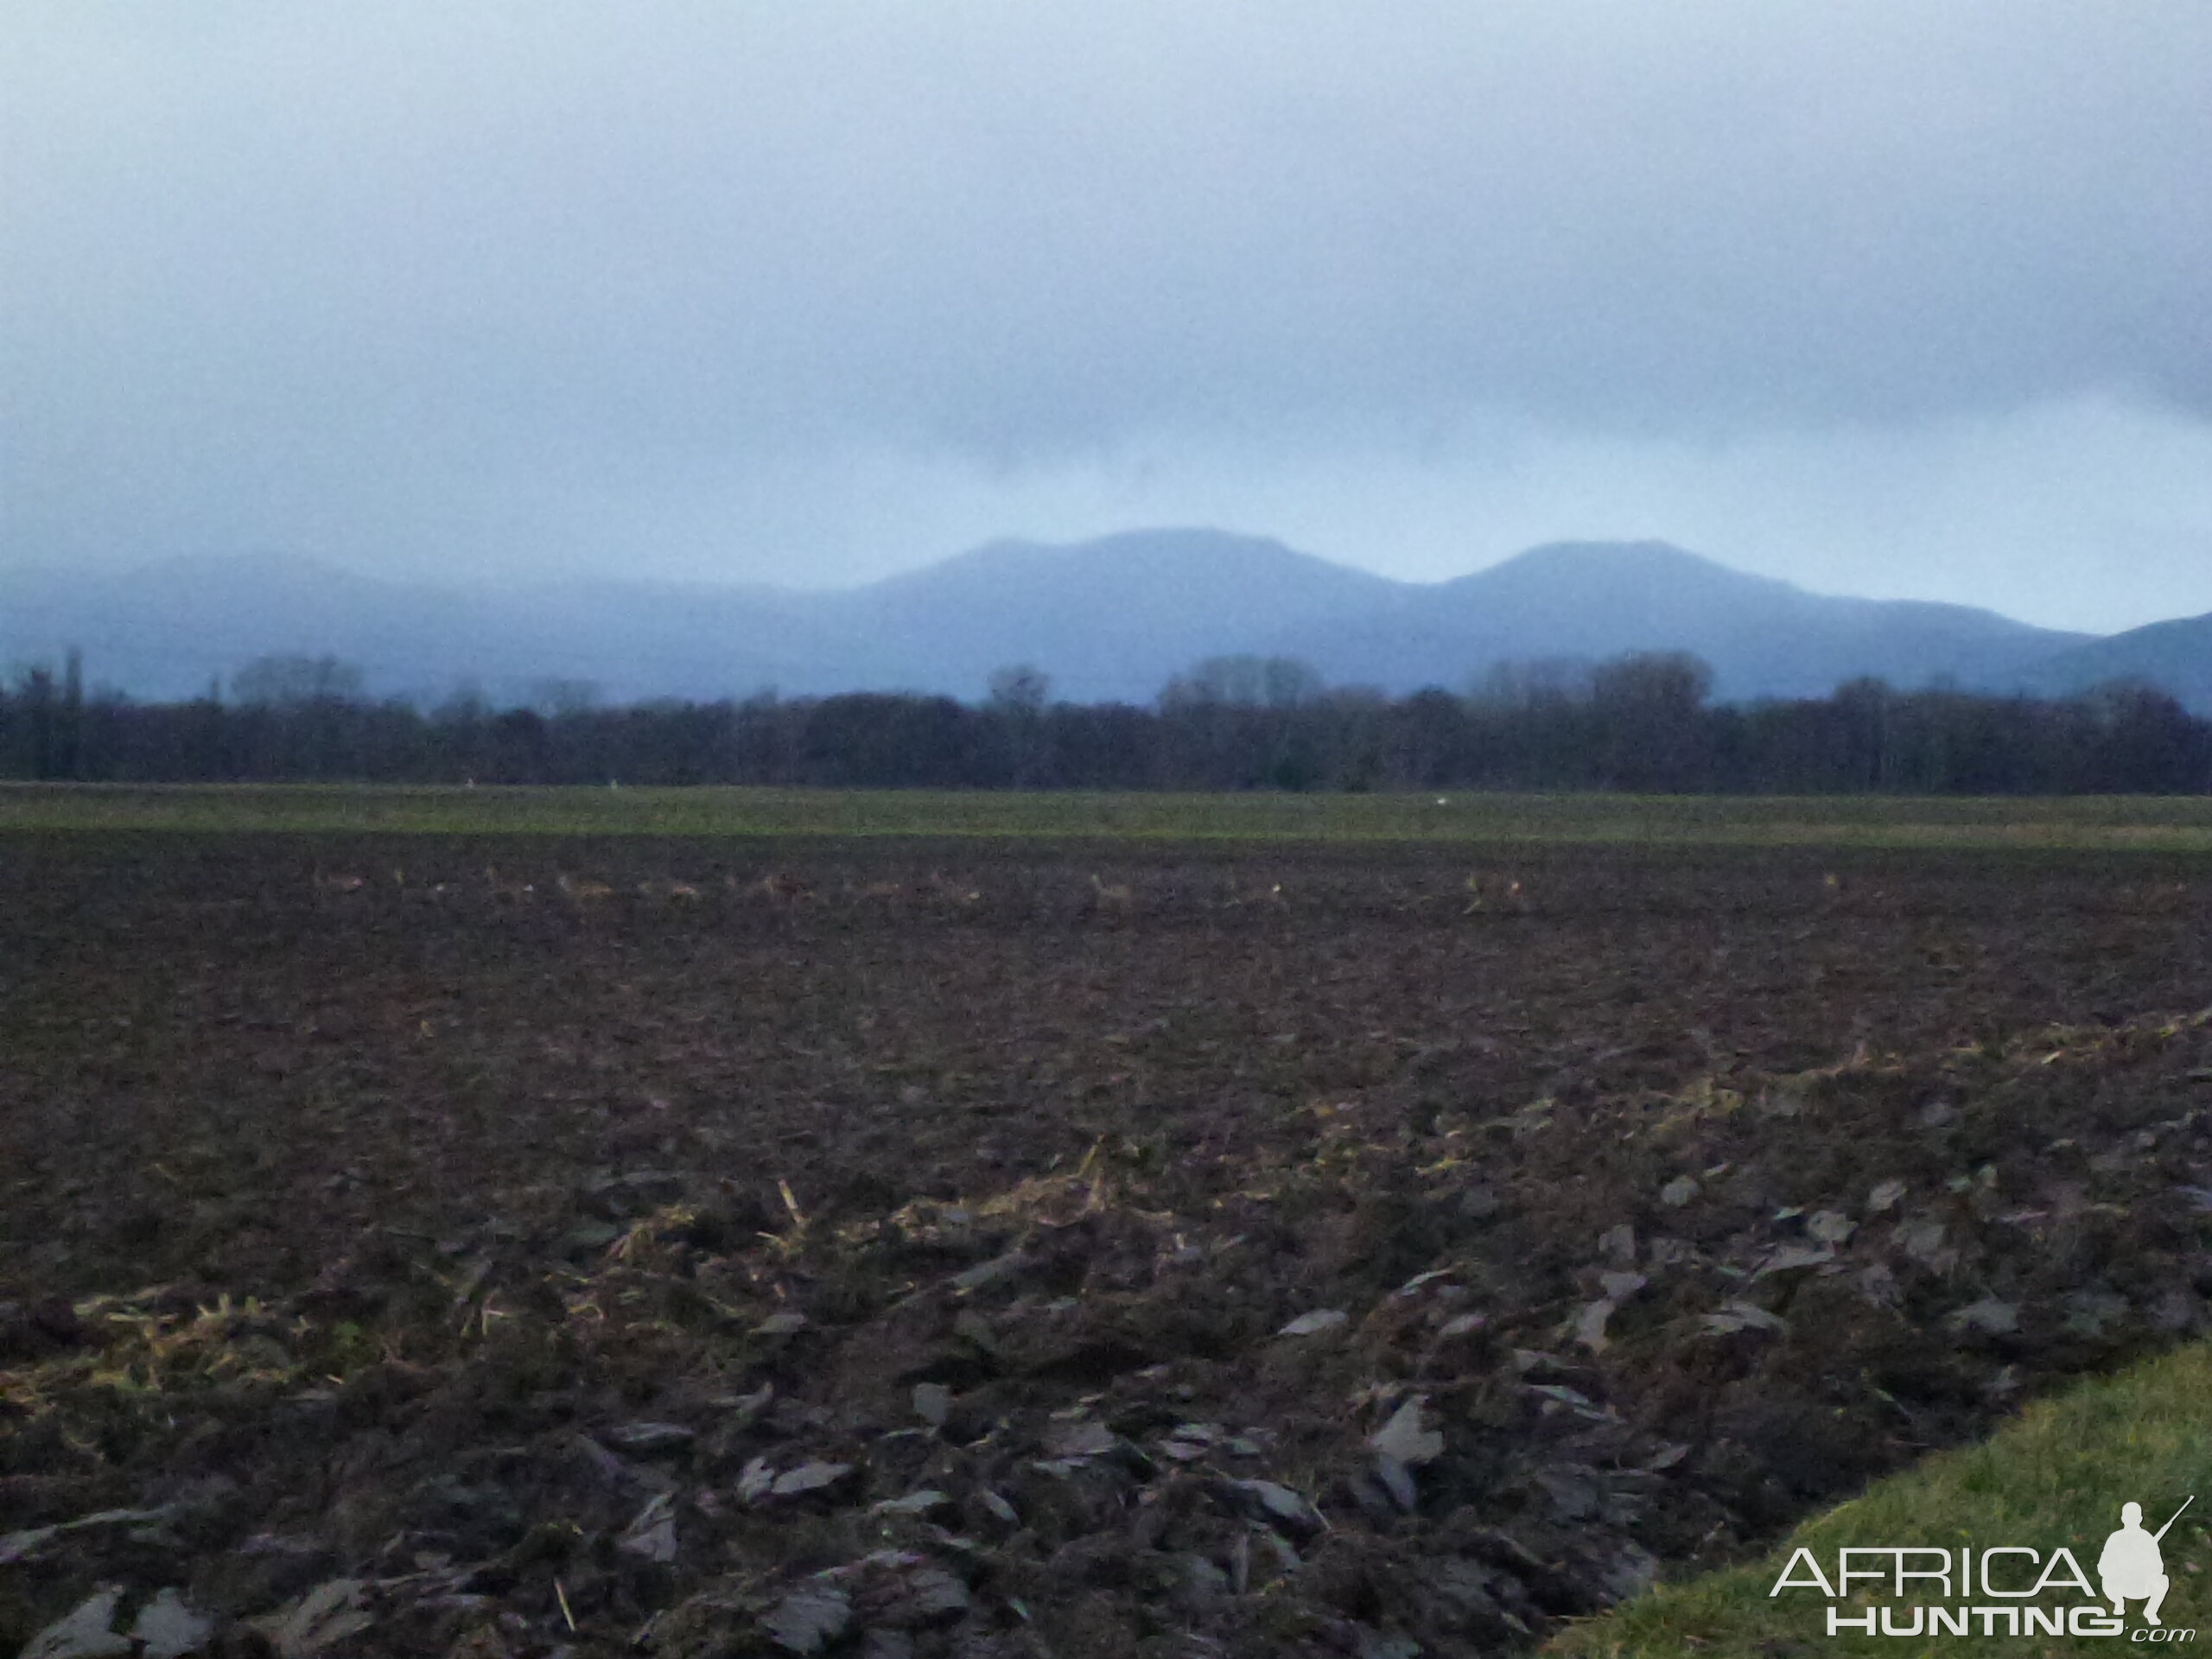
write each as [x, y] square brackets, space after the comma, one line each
[2058, 1476]
[2098, 822]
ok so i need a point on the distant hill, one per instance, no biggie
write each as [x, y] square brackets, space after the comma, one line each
[169, 629]
[2176, 655]
[1763, 638]
[1107, 620]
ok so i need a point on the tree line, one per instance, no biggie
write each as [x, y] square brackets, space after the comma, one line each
[1641, 722]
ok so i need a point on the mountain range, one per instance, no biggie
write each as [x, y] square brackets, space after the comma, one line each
[1111, 619]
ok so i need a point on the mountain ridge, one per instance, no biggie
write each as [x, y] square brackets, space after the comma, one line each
[2175, 655]
[1111, 618]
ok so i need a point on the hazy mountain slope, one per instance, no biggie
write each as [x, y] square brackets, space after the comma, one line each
[635, 639]
[1763, 638]
[167, 630]
[1110, 618]
[2177, 655]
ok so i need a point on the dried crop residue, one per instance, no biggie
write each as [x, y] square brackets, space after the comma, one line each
[887, 1250]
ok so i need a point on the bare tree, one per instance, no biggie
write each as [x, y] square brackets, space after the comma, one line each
[1021, 689]
[295, 679]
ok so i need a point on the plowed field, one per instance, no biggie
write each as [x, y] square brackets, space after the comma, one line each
[500, 1247]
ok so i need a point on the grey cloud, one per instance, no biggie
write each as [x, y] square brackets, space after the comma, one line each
[978, 223]
[454, 254]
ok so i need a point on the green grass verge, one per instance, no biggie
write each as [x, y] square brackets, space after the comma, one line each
[2160, 824]
[2058, 1476]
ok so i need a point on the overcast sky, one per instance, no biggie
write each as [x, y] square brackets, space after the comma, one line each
[1899, 297]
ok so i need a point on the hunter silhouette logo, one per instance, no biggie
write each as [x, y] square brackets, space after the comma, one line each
[1996, 1589]
[2131, 1564]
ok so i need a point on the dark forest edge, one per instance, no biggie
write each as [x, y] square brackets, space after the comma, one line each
[1643, 724]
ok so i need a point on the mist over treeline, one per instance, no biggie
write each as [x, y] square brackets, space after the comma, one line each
[1639, 722]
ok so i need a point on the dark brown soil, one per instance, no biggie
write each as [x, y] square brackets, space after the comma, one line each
[502, 1247]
